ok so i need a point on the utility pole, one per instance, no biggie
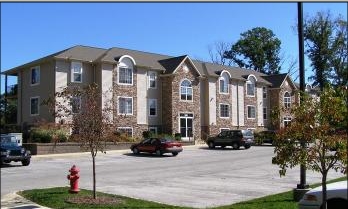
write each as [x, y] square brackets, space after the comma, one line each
[302, 187]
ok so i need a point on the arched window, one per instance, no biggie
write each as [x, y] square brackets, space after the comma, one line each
[125, 70]
[186, 90]
[287, 100]
[224, 83]
[250, 86]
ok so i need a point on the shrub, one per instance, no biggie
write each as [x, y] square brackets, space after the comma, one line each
[177, 136]
[38, 135]
[147, 134]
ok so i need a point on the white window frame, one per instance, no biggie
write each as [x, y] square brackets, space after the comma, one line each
[37, 79]
[72, 69]
[187, 88]
[38, 106]
[287, 100]
[264, 92]
[224, 78]
[286, 120]
[153, 128]
[79, 103]
[118, 105]
[251, 106]
[119, 76]
[228, 110]
[264, 113]
[149, 102]
[126, 128]
[152, 79]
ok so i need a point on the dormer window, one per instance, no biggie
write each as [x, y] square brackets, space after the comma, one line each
[250, 86]
[125, 70]
[224, 83]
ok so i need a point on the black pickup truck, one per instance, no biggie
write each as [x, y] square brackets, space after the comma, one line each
[11, 151]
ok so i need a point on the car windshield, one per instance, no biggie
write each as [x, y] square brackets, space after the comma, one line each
[166, 140]
[247, 133]
[7, 141]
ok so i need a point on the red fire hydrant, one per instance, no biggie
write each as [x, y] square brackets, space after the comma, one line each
[74, 179]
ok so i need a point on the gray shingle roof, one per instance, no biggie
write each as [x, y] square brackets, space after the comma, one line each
[276, 80]
[172, 63]
[164, 63]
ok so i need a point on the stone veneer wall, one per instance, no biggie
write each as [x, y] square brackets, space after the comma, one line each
[250, 100]
[171, 94]
[167, 104]
[127, 120]
[225, 99]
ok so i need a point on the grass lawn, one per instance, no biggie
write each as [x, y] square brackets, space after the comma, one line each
[57, 198]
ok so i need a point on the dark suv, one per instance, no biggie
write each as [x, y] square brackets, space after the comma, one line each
[11, 151]
[234, 138]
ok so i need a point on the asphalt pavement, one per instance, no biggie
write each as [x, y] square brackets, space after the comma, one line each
[198, 177]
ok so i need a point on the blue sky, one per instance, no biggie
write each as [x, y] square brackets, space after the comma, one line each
[32, 30]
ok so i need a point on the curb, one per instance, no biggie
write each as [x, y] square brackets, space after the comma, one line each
[13, 200]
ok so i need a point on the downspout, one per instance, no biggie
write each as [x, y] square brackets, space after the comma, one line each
[5, 98]
[238, 104]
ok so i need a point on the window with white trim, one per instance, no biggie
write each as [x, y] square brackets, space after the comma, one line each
[153, 130]
[224, 110]
[34, 106]
[224, 83]
[186, 90]
[264, 113]
[250, 86]
[128, 131]
[264, 92]
[251, 112]
[287, 100]
[152, 79]
[125, 105]
[125, 75]
[152, 107]
[286, 121]
[76, 72]
[75, 104]
[35, 75]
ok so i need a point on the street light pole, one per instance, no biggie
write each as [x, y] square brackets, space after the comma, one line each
[302, 184]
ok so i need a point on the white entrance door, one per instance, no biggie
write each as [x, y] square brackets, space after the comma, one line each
[186, 126]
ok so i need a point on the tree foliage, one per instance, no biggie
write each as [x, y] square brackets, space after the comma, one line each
[326, 47]
[257, 49]
[321, 124]
[81, 109]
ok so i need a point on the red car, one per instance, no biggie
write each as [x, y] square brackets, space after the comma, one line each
[158, 146]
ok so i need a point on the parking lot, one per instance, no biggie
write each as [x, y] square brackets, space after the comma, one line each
[197, 177]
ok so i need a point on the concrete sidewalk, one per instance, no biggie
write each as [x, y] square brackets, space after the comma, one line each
[13, 200]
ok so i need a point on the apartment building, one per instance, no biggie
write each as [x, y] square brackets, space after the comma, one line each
[160, 93]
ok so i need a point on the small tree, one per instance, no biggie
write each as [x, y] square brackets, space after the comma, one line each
[316, 122]
[90, 122]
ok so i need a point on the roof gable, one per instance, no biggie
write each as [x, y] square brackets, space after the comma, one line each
[172, 64]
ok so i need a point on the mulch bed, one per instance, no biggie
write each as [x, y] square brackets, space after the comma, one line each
[98, 201]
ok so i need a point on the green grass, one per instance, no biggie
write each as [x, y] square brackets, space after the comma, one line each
[56, 198]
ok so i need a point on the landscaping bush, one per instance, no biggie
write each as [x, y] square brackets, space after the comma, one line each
[40, 136]
[147, 134]
[177, 136]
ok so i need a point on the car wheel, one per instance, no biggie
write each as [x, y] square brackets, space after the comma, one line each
[235, 145]
[175, 153]
[25, 162]
[247, 146]
[135, 151]
[211, 145]
[158, 152]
